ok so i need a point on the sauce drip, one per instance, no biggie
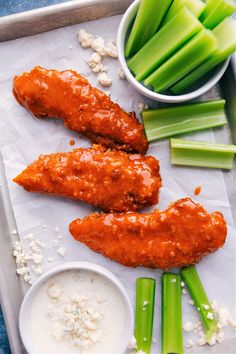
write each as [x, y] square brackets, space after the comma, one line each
[197, 190]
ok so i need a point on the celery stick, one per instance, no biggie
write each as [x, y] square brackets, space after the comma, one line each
[145, 303]
[201, 154]
[147, 21]
[225, 34]
[172, 334]
[186, 59]
[216, 11]
[195, 6]
[198, 294]
[166, 122]
[164, 43]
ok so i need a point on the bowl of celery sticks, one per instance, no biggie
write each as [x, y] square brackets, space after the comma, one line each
[176, 50]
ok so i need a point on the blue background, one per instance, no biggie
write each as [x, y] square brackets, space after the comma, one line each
[8, 7]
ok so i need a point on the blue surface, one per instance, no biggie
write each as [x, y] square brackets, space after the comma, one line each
[8, 7]
[4, 344]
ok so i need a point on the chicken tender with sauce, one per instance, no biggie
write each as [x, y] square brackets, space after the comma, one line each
[109, 179]
[176, 237]
[69, 96]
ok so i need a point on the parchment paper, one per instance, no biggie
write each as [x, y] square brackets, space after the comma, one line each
[23, 138]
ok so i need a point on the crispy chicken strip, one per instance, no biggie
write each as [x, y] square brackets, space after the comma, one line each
[108, 179]
[176, 237]
[69, 96]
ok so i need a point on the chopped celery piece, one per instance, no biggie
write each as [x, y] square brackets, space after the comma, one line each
[166, 122]
[186, 59]
[225, 34]
[145, 303]
[216, 11]
[147, 21]
[198, 294]
[164, 43]
[195, 6]
[172, 334]
[201, 154]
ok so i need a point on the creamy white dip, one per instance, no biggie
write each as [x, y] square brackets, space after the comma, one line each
[77, 312]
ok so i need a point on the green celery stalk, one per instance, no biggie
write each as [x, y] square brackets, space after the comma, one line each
[225, 34]
[201, 154]
[147, 21]
[166, 122]
[145, 303]
[196, 51]
[198, 294]
[172, 334]
[195, 6]
[164, 43]
[216, 11]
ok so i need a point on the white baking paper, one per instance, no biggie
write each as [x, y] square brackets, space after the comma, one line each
[23, 138]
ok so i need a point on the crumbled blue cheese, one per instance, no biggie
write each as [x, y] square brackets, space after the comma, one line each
[95, 63]
[61, 251]
[55, 290]
[111, 49]
[84, 38]
[98, 45]
[29, 260]
[142, 107]
[210, 316]
[206, 307]
[189, 344]
[188, 327]
[132, 343]
[101, 50]
[75, 318]
[104, 80]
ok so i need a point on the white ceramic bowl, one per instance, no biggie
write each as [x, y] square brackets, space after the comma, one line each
[206, 85]
[24, 319]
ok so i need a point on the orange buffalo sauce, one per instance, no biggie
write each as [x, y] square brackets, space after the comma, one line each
[108, 179]
[176, 237]
[197, 190]
[85, 109]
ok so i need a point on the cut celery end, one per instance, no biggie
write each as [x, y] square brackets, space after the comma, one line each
[195, 6]
[167, 122]
[201, 302]
[172, 334]
[145, 303]
[146, 24]
[225, 34]
[216, 11]
[206, 159]
[201, 154]
[184, 61]
[202, 146]
[164, 43]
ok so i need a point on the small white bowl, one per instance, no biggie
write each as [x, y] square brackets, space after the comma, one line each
[24, 319]
[206, 85]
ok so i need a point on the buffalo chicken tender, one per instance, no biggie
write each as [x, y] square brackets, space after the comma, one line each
[69, 96]
[176, 237]
[109, 179]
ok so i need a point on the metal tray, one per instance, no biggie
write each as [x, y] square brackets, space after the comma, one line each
[12, 289]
